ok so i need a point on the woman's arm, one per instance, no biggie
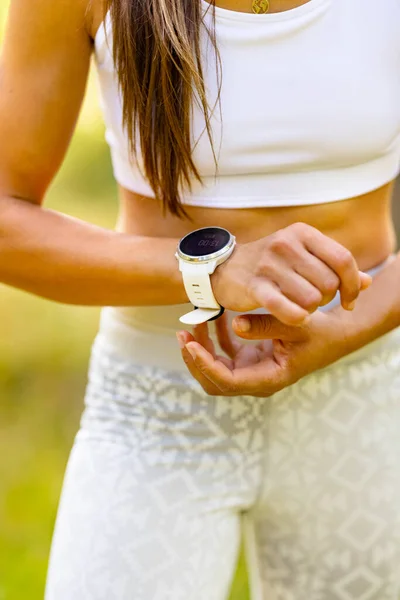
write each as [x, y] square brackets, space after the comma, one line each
[67, 260]
[43, 72]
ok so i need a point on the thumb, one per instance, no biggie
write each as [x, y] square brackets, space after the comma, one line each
[265, 326]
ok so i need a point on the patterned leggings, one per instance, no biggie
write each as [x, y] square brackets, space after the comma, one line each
[163, 480]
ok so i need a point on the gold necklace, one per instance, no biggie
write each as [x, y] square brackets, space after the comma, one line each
[260, 6]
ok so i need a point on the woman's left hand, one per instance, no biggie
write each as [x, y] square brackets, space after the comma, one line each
[283, 356]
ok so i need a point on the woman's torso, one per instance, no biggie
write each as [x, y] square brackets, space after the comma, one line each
[362, 223]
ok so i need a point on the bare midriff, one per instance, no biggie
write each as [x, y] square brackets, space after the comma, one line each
[362, 224]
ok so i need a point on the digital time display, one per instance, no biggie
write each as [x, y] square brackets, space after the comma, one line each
[205, 241]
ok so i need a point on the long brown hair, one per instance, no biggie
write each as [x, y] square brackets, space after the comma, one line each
[157, 54]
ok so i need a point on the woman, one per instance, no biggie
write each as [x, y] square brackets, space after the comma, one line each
[277, 124]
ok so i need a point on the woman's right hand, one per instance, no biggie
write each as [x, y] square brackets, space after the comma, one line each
[290, 273]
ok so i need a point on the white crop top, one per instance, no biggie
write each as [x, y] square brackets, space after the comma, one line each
[310, 106]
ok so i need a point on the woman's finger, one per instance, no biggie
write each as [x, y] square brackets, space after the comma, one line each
[366, 280]
[299, 290]
[209, 387]
[270, 297]
[319, 275]
[262, 327]
[339, 259]
[202, 336]
[184, 337]
[213, 370]
[226, 338]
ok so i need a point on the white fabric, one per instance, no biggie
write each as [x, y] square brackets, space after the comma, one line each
[310, 106]
[163, 479]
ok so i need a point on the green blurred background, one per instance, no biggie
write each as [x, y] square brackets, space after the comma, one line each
[44, 350]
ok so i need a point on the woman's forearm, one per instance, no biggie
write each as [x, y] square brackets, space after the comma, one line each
[70, 261]
[377, 310]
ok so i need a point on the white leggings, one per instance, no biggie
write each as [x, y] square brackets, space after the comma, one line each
[163, 480]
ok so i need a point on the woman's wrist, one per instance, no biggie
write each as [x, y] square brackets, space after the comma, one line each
[228, 281]
[217, 282]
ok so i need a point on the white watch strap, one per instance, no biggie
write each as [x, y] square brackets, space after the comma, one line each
[200, 315]
[196, 279]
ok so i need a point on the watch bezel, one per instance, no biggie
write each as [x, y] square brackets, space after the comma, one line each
[209, 257]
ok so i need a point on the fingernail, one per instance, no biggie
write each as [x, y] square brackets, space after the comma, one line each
[351, 305]
[242, 324]
[191, 351]
[181, 340]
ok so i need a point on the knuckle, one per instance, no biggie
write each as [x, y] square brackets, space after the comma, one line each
[331, 285]
[272, 302]
[312, 300]
[280, 242]
[266, 267]
[344, 258]
[299, 228]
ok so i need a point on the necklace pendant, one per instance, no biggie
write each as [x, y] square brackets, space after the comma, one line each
[260, 6]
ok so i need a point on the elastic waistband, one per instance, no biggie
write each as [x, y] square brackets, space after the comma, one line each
[146, 335]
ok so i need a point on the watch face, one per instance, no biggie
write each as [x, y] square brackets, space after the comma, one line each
[204, 241]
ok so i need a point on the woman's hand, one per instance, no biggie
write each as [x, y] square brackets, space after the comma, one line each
[289, 273]
[284, 355]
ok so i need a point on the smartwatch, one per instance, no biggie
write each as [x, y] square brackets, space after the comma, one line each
[199, 253]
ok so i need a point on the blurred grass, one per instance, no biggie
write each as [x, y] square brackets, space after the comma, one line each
[44, 349]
